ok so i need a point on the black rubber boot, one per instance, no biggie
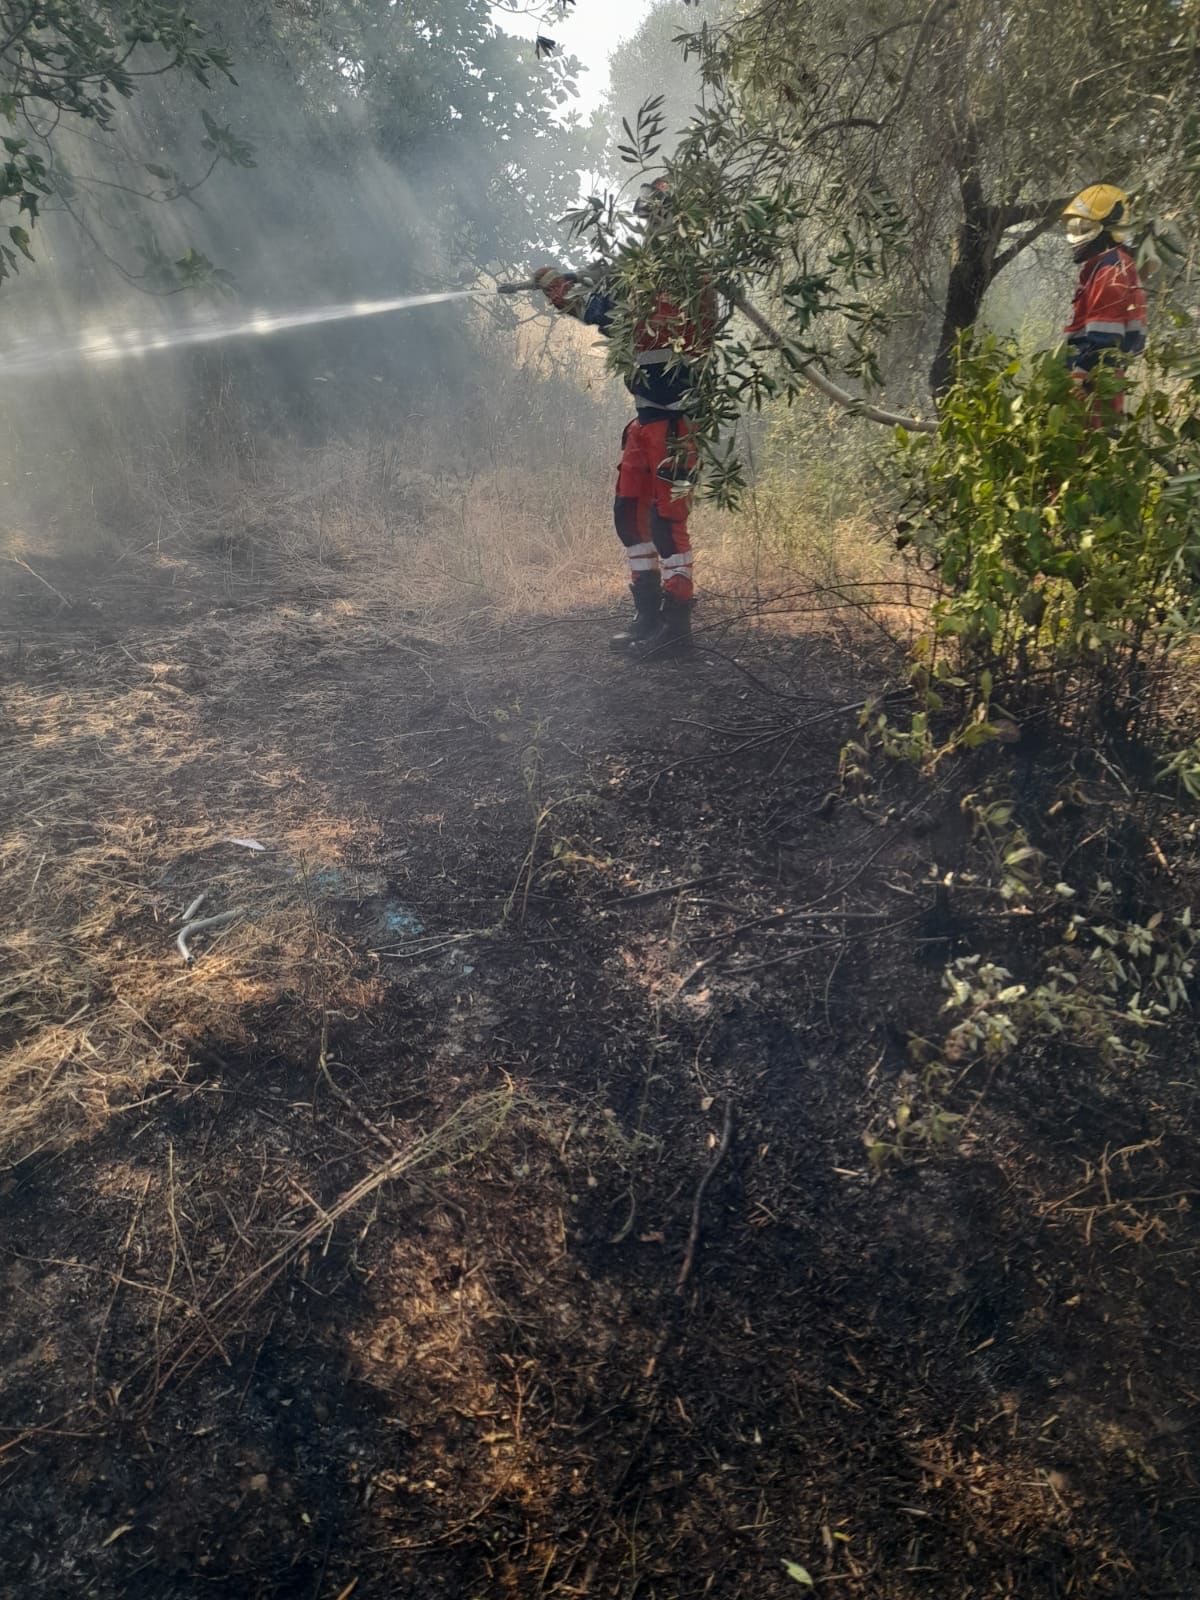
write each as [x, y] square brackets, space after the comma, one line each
[673, 635]
[647, 604]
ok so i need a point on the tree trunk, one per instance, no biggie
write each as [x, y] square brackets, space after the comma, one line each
[977, 264]
[970, 274]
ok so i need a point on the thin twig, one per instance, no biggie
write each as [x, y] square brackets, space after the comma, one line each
[824, 944]
[783, 731]
[195, 1308]
[689, 1259]
[56, 592]
[464, 1133]
[344, 1100]
[668, 889]
[118, 1279]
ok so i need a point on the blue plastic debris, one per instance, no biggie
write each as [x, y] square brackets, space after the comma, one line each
[400, 921]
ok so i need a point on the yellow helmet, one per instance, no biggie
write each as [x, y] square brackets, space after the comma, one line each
[1100, 208]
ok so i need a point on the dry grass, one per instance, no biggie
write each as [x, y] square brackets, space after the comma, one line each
[98, 1005]
[121, 788]
[121, 793]
[211, 670]
[491, 504]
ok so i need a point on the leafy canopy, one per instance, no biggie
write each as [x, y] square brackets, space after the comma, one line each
[69, 63]
[863, 166]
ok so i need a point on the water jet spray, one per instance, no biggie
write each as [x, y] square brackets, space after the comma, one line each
[103, 349]
[33, 356]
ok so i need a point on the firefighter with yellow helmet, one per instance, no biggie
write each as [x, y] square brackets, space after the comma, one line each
[1108, 318]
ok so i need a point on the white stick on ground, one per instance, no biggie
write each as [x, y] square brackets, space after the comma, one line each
[199, 927]
[194, 907]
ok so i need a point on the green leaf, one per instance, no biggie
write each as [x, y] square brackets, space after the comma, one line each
[800, 1574]
[1014, 858]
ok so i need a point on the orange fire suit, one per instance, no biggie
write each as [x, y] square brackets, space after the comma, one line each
[658, 468]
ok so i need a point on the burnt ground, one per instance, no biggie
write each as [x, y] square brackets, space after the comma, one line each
[487, 1210]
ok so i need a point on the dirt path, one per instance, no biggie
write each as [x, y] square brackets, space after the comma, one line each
[486, 1210]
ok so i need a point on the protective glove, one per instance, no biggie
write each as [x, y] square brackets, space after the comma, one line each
[564, 290]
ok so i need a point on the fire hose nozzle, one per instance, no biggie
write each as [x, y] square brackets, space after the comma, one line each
[587, 279]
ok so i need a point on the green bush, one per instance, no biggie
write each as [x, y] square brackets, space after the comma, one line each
[1067, 553]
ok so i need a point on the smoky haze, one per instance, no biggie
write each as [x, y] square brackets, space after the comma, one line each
[650, 65]
[394, 159]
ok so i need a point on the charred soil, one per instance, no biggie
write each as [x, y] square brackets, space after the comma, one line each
[485, 1209]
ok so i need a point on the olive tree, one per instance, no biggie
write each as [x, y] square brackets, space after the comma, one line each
[66, 67]
[858, 162]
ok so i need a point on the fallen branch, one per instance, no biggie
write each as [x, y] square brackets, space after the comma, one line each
[689, 1259]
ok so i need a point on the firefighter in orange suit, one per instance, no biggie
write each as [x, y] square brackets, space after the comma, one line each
[1108, 318]
[658, 467]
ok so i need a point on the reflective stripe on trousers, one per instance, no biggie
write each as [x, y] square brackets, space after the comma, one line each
[650, 515]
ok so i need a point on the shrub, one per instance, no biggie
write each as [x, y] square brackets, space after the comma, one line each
[1067, 553]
